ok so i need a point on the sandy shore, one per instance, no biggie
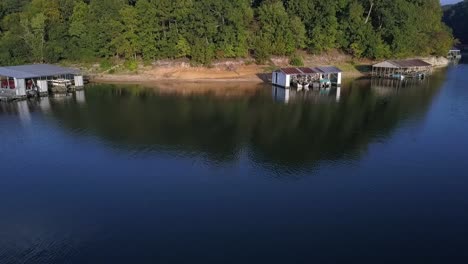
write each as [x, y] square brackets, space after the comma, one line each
[254, 74]
[240, 71]
[217, 88]
[249, 73]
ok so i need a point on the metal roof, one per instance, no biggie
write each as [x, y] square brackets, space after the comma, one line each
[291, 71]
[35, 71]
[403, 64]
[411, 63]
[306, 70]
[328, 69]
[386, 64]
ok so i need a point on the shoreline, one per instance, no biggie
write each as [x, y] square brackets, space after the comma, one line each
[229, 72]
[258, 77]
[140, 78]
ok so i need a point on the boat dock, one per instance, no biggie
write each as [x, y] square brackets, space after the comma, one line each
[20, 82]
[304, 78]
[454, 54]
[402, 69]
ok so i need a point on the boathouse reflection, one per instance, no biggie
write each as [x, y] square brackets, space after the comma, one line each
[298, 134]
[286, 95]
[23, 108]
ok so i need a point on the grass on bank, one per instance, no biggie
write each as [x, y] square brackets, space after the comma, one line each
[109, 66]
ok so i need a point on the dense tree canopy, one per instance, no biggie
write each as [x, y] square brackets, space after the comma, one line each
[204, 30]
[456, 16]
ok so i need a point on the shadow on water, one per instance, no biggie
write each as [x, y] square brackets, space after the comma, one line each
[295, 133]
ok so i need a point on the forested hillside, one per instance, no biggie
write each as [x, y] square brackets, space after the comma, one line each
[205, 30]
[456, 16]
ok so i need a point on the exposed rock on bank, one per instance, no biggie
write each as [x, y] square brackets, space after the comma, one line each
[437, 62]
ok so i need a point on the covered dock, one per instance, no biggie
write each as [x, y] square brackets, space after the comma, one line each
[304, 77]
[19, 81]
[401, 69]
[454, 54]
[331, 73]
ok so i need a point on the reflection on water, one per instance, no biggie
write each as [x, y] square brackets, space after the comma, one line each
[80, 97]
[284, 95]
[386, 86]
[136, 174]
[23, 112]
[291, 130]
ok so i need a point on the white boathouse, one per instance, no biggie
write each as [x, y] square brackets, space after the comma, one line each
[17, 81]
[454, 54]
[290, 77]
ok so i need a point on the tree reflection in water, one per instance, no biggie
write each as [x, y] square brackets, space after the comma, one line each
[306, 130]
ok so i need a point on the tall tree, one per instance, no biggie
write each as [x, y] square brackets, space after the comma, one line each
[456, 17]
[127, 42]
[34, 29]
[278, 32]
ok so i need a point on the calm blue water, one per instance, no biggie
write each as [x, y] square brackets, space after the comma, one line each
[120, 174]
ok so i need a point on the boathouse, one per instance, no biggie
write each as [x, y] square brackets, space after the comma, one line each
[17, 81]
[400, 69]
[454, 54]
[303, 77]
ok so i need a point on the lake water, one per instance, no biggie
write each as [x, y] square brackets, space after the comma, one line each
[122, 174]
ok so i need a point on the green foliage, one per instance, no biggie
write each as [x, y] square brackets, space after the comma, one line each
[320, 20]
[131, 65]
[203, 52]
[279, 33]
[183, 48]
[296, 60]
[408, 26]
[126, 43]
[106, 65]
[205, 30]
[358, 37]
[34, 35]
[456, 17]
